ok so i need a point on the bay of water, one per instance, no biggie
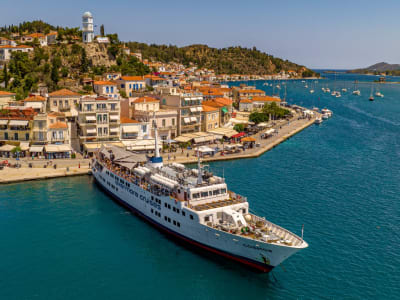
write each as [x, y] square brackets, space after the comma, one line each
[65, 239]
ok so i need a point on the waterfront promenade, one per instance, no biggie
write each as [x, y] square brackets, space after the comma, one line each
[43, 169]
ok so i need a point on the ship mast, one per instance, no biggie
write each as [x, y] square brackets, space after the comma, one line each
[200, 174]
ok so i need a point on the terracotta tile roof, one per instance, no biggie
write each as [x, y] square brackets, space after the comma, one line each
[104, 83]
[63, 92]
[101, 98]
[246, 101]
[132, 78]
[125, 120]
[35, 35]
[3, 93]
[251, 91]
[213, 103]
[35, 98]
[266, 99]
[224, 101]
[207, 108]
[145, 99]
[58, 125]
[55, 114]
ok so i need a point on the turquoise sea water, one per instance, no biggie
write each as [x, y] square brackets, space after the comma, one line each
[65, 239]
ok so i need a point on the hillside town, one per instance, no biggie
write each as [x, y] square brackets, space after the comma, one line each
[189, 106]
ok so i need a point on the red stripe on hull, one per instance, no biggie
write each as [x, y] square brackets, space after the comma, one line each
[259, 267]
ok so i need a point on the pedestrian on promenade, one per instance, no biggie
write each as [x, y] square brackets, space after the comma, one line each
[174, 157]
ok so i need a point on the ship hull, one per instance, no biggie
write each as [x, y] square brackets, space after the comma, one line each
[254, 265]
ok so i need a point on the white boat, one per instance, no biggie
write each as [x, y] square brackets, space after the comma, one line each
[325, 116]
[379, 94]
[318, 120]
[323, 89]
[194, 206]
[357, 92]
[338, 95]
[315, 109]
[311, 91]
[344, 90]
[328, 90]
[278, 86]
[326, 112]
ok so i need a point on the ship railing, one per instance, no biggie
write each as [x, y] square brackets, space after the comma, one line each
[237, 197]
[281, 232]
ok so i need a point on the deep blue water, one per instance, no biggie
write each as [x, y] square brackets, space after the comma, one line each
[65, 239]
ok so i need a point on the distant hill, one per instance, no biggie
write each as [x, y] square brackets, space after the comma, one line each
[231, 60]
[382, 67]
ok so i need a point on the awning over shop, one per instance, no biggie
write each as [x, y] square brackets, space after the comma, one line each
[199, 108]
[3, 122]
[6, 148]
[18, 123]
[140, 145]
[90, 118]
[36, 149]
[238, 135]
[57, 148]
[193, 119]
[224, 132]
[114, 117]
[91, 130]
[182, 139]
[114, 129]
[193, 109]
[130, 129]
[24, 146]
[203, 139]
[205, 149]
[186, 120]
[90, 147]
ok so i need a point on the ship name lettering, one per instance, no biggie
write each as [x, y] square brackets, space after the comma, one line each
[257, 248]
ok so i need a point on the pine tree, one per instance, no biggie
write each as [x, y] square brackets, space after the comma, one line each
[102, 30]
[5, 76]
[84, 61]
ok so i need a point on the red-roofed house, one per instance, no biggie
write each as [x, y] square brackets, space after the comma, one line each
[63, 101]
[131, 84]
[106, 88]
[6, 98]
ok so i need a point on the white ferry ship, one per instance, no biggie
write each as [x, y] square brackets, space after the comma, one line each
[195, 206]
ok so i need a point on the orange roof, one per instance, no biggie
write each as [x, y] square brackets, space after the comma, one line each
[13, 47]
[246, 101]
[224, 101]
[207, 108]
[125, 120]
[266, 98]
[248, 139]
[132, 78]
[145, 99]
[104, 83]
[153, 77]
[55, 114]
[35, 35]
[212, 103]
[53, 33]
[251, 91]
[3, 93]
[35, 98]
[63, 92]
[58, 125]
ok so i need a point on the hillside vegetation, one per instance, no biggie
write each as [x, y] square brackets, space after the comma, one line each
[379, 68]
[232, 60]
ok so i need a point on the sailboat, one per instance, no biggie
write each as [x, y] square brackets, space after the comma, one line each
[378, 93]
[371, 96]
[356, 91]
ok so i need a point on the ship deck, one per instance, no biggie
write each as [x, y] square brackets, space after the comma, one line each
[217, 204]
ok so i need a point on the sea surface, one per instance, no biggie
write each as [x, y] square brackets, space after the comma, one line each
[65, 239]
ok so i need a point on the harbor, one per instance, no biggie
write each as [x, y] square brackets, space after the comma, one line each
[328, 174]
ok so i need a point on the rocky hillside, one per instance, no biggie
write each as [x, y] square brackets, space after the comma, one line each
[382, 67]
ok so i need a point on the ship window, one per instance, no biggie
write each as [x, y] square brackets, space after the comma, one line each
[174, 222]
[169, 206]
[169, 220]
[165, 204]
[152, 210]
[152, 197]
[215, 192]
[204, 194]
[165, 218]
[179, 224]
[223, 191]
[206, 219]
[195, 196]
[183, 213]
[177, 210]
[191, 217]
[174, 209]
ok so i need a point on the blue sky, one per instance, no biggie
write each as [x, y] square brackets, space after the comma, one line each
[318, 34]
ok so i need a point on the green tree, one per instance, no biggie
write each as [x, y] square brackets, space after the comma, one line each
[102, 30]
[54, 74]
[84, 61]
[64, 72]
[238, 127]
[258, 117]
[5, 76]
